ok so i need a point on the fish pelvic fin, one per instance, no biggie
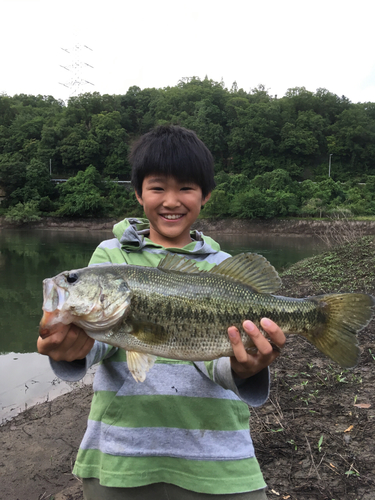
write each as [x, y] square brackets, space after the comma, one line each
[345, 315]
[139, 364]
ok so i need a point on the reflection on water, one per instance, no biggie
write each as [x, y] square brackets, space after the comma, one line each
[281, 250]
[27, 257]
[29, 380]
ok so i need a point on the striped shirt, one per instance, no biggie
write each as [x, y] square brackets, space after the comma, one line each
[188, 423]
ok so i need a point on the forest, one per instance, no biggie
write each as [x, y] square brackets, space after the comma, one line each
[304, 154]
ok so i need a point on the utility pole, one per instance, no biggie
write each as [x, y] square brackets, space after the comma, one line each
[329, 165]
[75, 67]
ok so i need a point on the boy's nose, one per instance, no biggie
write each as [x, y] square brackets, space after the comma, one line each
[171, 200]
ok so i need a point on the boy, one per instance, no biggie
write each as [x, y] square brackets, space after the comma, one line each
[181, 434]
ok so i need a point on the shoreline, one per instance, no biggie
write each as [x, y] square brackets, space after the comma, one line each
[310, 398]
[302, 227]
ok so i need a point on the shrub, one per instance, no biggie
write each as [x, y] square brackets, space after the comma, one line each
[23, 212]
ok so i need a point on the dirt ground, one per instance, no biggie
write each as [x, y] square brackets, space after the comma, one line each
[314, 438]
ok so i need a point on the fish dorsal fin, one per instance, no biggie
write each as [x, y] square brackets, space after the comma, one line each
[252, 270]
[173, 262]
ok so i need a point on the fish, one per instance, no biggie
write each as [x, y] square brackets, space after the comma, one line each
[179, 312]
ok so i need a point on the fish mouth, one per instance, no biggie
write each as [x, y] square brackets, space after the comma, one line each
[94, 317]
[54, 296]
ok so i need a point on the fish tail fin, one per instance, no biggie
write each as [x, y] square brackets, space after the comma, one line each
[344, 316]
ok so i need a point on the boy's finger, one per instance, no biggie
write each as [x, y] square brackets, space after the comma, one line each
[260, 342]
[80, 348]
[239, 351]
[275, 333]
[47, 344]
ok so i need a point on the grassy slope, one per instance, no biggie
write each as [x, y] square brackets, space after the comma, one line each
[312, 440]
[348, 268]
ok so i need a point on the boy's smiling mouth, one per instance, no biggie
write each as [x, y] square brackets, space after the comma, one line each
[172, 216]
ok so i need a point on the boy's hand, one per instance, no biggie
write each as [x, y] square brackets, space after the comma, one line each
[67, 343]
[245, 364]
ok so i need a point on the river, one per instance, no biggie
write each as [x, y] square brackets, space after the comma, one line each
[29, 256]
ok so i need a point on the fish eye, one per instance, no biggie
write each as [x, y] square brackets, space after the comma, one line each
[72, 278]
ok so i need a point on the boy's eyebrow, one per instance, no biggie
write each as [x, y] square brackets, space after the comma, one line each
[155, 179]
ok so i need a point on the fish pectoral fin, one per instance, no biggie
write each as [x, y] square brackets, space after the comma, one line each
[139, 364]
[148, 332]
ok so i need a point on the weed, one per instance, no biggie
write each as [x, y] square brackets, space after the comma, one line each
[352, 472]
[293, 443]
[320, 443]
[340, 378]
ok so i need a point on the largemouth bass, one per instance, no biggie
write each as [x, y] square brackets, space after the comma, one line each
[177, 311]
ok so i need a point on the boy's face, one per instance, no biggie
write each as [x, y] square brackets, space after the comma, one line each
[171, 207]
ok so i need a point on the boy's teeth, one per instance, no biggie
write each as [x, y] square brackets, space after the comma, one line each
[172, 216]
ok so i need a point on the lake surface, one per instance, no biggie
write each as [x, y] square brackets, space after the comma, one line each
[27, 257]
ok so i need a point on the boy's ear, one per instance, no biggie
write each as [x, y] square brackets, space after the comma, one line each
[139, 198]
[205, 200]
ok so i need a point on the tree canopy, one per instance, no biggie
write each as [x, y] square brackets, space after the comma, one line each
[271, 154]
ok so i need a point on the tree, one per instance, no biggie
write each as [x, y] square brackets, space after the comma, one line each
[81, 195]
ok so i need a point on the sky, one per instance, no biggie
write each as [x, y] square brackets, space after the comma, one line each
[280, 44]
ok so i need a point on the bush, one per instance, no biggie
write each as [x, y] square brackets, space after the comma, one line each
[23, 212]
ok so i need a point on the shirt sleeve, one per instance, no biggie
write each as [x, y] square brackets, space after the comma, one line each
[76, 370]
[100, 256]
[254, 391]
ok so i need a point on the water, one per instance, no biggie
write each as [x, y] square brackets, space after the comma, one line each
[27, 257]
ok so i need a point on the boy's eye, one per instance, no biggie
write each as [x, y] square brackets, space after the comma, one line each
[186, 188]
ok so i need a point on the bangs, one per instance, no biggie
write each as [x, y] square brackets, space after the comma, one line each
[172, 151]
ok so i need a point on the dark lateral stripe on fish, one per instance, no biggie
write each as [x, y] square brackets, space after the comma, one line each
[114, 382]
[137, 442]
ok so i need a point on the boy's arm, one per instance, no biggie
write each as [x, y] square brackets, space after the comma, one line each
[247, 374]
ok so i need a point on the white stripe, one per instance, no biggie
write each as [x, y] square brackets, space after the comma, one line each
[110, 244]
[163, 379]
[191, 444]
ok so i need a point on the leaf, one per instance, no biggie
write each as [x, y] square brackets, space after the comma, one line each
[363, 405]
[349, 428]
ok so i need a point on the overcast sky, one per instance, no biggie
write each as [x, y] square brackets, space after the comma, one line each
[154, 43]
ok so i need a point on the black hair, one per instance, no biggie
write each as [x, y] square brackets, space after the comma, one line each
[173, 151]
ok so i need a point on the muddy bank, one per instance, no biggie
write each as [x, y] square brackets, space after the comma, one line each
[228, 226]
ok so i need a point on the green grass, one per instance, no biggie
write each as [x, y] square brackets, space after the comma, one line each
[349, 267]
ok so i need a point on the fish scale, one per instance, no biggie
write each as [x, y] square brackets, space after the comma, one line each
[176, 311]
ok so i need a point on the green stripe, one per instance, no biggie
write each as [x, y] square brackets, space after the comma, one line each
[223, 477]
[210, 369]
[120, 355]
[165, 411]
